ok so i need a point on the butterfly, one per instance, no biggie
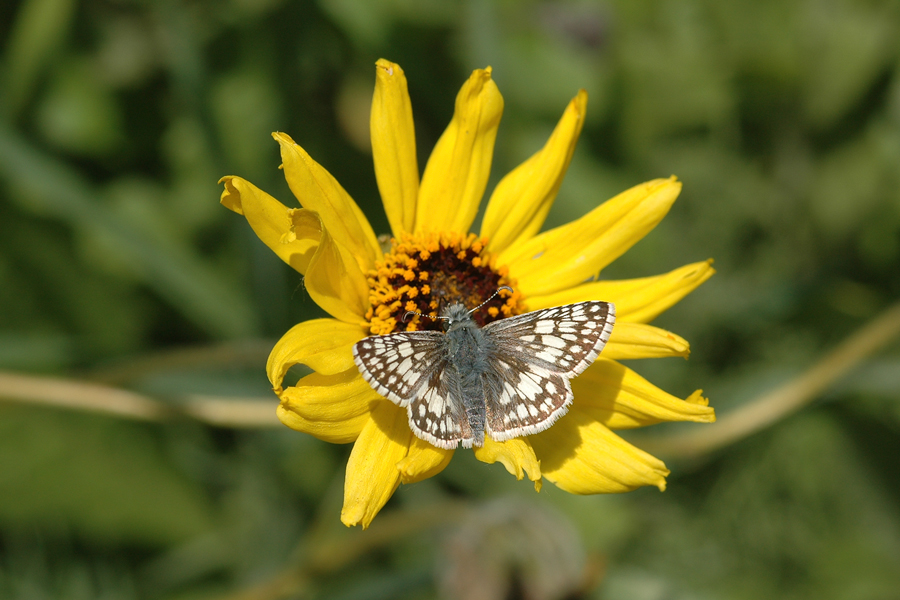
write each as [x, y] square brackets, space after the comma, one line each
[507, 379]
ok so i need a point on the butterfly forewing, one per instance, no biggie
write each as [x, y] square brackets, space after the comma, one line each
[398, 365]
[564, 339]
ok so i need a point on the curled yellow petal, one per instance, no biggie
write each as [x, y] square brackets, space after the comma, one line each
[581, 456]
[571, 254]
[324, 345]
[394, 147]
[621, 399]
[334, 408]
[637, 300]
[333, 278]
[372, 474]
[459, 166]
[522, 199]
[270, 221]
[515, 454]
[423, 461]
[318, 191]
[637, 340]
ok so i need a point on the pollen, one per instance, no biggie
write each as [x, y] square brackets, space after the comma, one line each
[424, 273]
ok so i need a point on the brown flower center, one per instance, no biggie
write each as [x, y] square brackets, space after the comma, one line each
[424, 273]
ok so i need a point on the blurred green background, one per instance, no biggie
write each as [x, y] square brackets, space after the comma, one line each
[118, 266]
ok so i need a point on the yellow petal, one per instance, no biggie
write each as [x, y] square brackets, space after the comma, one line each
[270, 221]
[581, 456]
[324, 345]
[637, 300]
[334, 408]
[521, 200]
[458, 170]
[372, 474]
[569, 255]
[515, 454]
[423, 461]
[394, 147]
[333, 278]
[637, 340]
[621, 399]
[318, 191]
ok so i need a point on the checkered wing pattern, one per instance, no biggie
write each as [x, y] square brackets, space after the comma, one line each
[399, 364]
[522, 365]
[410, 369]
[438, 415]
[534, 356]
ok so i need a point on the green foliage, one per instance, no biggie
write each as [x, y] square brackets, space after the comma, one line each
[100, 479]
[117, 119]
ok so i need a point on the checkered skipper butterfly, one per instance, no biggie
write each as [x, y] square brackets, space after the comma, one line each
[507, 379]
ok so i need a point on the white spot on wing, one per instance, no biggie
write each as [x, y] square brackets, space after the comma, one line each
[553, 341]
[544, 326]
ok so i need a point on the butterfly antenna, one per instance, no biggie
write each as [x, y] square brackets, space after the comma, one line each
[500, 289]
[412, 312]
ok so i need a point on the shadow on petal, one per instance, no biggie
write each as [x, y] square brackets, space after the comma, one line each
[582, 456]
[516, 455]
[423, 461]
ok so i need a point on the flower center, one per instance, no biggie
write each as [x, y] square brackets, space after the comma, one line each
[423, 273]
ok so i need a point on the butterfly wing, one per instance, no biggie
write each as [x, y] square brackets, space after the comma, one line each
[399, 364]
[437, 414]
[565, 339]
[410, 369]
[534, 356]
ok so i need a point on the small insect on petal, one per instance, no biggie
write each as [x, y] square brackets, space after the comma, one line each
[507, 379]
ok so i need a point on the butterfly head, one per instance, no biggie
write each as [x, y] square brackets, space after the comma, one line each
[456, 315]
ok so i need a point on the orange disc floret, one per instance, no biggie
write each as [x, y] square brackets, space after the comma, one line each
[447, 267]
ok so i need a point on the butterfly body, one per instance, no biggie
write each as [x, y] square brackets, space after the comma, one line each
[468, 351]
[507, 379]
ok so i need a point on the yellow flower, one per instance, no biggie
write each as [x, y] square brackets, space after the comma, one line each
[367, 289]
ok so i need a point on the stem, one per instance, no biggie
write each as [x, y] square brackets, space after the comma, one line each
[773, 406]
[80, 395]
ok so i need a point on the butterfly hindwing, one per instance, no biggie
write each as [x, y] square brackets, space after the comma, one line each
[527, 398]
[410, 370]
[437, 415]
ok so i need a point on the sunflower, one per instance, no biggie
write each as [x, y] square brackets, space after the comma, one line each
[367, 284]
